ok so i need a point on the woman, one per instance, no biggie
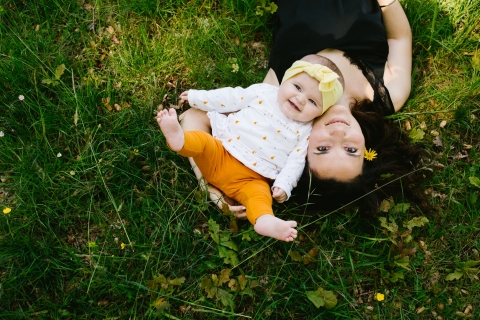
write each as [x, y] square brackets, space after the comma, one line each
[375, 60]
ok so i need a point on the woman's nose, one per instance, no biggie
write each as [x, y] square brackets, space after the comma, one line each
[338, 132]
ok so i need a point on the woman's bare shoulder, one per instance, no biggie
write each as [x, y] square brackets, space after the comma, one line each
[271, 78]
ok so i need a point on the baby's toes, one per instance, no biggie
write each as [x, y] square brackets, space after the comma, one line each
[292, 224]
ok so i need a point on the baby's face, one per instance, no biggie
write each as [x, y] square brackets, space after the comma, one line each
[300, 98]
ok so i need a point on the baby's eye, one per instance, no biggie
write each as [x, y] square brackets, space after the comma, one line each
[313, 102]
[297, 86]
[322, 149]
[351, 150]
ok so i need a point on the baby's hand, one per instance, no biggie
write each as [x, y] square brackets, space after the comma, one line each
[279, 195]
[183, 97]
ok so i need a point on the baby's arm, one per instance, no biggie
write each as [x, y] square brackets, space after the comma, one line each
[292, 170]
[222, 100]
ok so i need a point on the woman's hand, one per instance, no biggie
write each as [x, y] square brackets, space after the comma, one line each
[221, 200]
[279, 195]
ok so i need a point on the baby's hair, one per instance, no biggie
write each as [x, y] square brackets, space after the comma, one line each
[321, 60]
[396, 155]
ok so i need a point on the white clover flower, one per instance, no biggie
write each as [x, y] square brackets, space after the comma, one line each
[21, 97]
[59, 155]
[2, 134]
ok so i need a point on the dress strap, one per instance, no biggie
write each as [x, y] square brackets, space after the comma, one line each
[381, 97]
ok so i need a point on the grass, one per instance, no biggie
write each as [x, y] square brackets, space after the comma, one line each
[106, 222]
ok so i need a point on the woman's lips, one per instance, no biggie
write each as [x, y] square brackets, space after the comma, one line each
[337, 120]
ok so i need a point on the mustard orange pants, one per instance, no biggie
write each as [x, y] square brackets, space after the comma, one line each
[228, 174]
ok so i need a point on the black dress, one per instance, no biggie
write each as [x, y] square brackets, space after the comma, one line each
[353, 26]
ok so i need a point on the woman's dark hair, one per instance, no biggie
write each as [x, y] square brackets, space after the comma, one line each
[397, 156]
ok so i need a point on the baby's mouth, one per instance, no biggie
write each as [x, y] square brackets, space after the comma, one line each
[293, 105]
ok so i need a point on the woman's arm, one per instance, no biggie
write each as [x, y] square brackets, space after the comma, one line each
[398, 69]
[271, 78]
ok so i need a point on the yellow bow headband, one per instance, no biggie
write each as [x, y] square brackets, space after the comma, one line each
[329, 86]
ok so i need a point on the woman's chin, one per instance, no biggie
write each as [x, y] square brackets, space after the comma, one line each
[338, 109]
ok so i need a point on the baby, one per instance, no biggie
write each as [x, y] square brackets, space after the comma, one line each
[263, 139]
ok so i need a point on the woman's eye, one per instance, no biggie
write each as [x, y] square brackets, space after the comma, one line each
[351, 150]
[312, 101]
[322, 149]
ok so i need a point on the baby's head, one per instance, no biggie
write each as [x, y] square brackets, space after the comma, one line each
[309, 88]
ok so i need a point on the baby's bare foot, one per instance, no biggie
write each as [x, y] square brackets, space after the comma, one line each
[168, 122]
[271, 226]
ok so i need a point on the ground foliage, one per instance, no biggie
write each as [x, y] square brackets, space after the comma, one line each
[101, 220]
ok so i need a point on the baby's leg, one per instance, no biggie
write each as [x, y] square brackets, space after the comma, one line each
[196, 120]
[167, 120]
[201, 145]
[271, 226]
[255, 195]
[198, 144]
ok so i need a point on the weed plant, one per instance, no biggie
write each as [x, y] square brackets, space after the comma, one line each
[102, 221]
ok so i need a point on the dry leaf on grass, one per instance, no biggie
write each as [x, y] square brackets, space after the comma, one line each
[106, 103]
[115, 40]
[438, 141]
[408, 126]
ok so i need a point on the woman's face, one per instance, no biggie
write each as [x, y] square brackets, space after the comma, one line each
[336, 146]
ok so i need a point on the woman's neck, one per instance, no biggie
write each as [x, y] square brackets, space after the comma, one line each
[356, 85]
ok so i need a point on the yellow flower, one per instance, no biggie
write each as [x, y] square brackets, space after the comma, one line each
[7, 210]
[380, 296]
[370, 154]
[122, 245]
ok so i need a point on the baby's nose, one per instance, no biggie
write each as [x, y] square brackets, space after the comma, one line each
[301, 98]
